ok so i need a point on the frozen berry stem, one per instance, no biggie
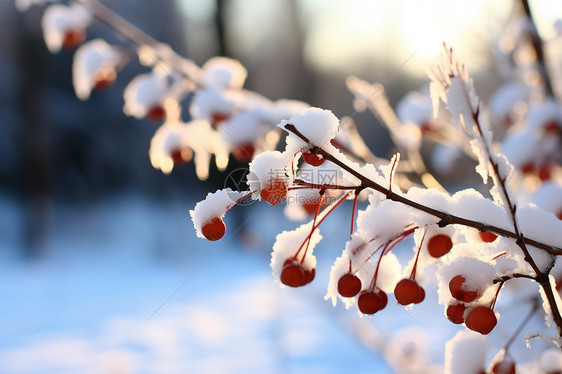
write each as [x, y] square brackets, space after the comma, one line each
[447, 219]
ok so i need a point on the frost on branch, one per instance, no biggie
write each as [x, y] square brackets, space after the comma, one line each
[65, 26]
[94, 66]
[451, 84]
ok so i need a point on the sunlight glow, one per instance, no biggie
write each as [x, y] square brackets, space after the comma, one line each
[345, 35]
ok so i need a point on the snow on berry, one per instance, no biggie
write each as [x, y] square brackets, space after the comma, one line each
[214, 105]
[318, 125]
[64, 26]
[503, 363]
[477, 277]
[196, 136]
[214, 206]
[242, 128]
[224, 73]
[94, 65]
[540, 115]
[465, 353]
[294, 245]
[144, 93]
[271, 171]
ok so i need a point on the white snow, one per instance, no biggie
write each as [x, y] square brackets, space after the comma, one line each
[59, 19]
[91, 58]
[143, 93]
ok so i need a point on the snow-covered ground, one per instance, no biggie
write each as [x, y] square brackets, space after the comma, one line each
[93, 302]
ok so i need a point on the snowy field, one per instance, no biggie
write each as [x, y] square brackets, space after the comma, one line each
[93, 302]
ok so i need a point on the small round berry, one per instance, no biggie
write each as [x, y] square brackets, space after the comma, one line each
[455, 313]
[274, 192]
[313, 159]
[458, 291]
[156, 113]
[488, 237]
[310, 208]
[370, 302]
[72, 39]
[219, 117]
[421, 296]
[213, 229]
[439, 245]
[383, 297]
[481, 319]
[293, 275]
[349, 285]
[407, 291]
[244, 152]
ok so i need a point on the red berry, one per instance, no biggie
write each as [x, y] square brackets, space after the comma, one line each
[421, 296]
[370, 302]
[219, 117]
[559, 215]
[383, 297]
[349, 285]
[309, 275]
[455, 313]
[407, 291]
[156, 113]
[293, 275]
[104, 78]
[310, 208]
[552, 127]
[439, 245]
[481, 319]
[274, 192]
[488, 237]
[244, 152]
[213, 229]
[458, 291]
[545, 171]
[313, 159]
[72, 39]
[528, 168]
